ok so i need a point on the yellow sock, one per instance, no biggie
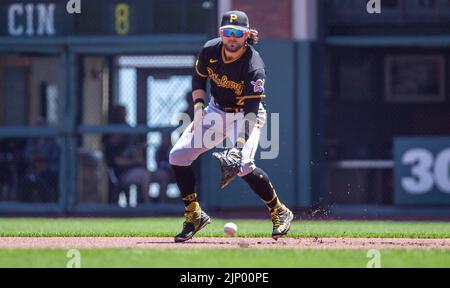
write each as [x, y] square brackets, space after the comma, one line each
[193, 206]
[274, 203]
[278, 206]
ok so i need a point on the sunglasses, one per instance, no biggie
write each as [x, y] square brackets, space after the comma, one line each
[227, 32]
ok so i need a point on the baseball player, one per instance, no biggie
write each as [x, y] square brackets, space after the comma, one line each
[237, 75]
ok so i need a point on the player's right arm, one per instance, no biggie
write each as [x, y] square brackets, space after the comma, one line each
[199, 89]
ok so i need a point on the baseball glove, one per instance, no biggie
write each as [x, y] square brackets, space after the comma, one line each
[230, 164]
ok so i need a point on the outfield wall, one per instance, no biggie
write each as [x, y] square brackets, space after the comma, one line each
[295, 89]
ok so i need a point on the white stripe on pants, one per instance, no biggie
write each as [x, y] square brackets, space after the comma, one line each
[191, 144]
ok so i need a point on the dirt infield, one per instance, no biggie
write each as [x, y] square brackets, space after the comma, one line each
[154, 242]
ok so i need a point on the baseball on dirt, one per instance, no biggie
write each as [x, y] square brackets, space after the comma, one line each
[230, 230]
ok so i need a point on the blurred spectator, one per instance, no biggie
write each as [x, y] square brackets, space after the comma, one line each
[162, 161]
[41, 175]
[162, 152]
[126, 161]
[11, 166]
[6, 174]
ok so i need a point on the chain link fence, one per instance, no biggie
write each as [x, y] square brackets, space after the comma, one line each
[30, 96]
[29, 170]
[128, 167]
[120, 165]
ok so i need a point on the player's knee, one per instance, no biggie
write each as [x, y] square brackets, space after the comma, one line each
[247, 168]
[178, 157]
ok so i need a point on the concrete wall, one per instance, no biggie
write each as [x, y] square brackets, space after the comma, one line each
[46, 70]
[92, 174]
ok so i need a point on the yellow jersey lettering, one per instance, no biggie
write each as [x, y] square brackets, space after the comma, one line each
[223, 81]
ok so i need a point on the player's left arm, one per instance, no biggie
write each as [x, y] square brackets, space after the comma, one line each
[252, 96]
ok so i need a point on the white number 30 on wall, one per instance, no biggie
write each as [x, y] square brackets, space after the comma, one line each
[426, 171]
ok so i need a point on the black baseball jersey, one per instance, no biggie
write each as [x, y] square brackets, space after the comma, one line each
[238, 83]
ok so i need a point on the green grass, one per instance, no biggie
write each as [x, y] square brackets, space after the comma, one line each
[220, 257]
[245, 258]
[249, 228]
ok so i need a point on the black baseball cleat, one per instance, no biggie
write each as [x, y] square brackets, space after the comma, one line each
[195, 220]
[281, 219]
